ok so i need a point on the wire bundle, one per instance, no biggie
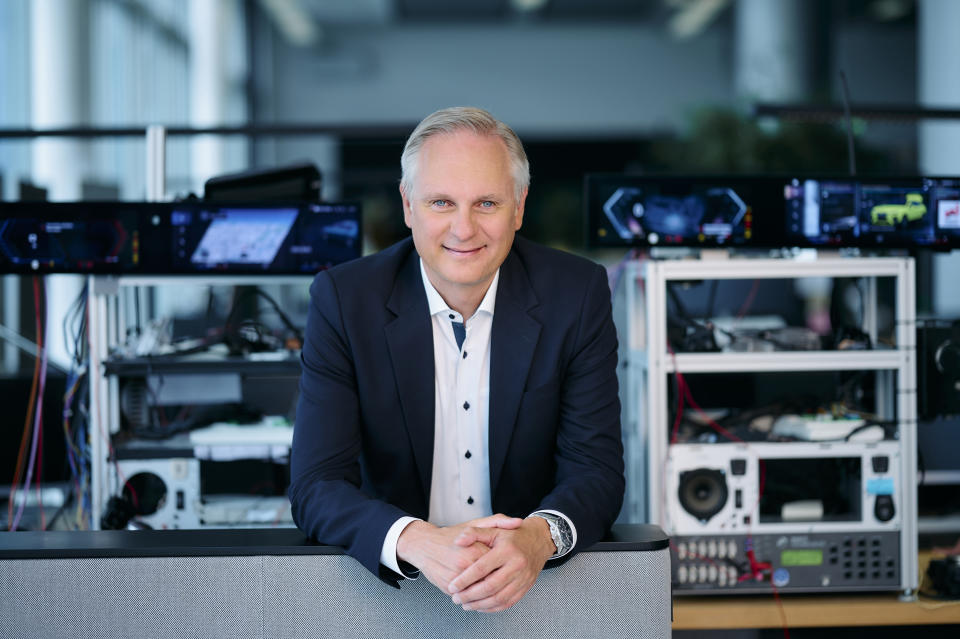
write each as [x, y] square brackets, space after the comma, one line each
[29, 466]
[75, 419]
[32, 437]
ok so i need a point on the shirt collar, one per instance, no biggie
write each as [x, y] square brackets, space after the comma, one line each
[437, 305]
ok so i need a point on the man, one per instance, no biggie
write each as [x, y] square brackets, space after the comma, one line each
[456, 374]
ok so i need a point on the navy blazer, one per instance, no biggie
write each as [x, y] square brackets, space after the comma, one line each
[363, 441]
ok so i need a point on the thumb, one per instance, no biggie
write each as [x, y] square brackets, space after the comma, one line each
[471, 536]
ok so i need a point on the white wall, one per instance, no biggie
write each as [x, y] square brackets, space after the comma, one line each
[595, 79]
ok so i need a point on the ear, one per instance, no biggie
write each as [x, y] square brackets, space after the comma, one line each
[407, 209]
[518, 215]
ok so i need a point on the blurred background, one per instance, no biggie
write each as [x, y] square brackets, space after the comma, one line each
[589, 85]
[639, 86]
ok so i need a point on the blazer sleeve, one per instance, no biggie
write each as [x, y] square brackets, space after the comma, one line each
[589, 482]
[325, 476]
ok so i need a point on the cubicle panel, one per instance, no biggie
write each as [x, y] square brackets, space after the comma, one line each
[595, 594]
[122, 597]
[277, 583]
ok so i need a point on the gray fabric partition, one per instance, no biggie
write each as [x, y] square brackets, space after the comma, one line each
[303, 591]
[607, 594]
[133, 597]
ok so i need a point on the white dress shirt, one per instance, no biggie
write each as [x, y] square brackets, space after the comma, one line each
[460, 479]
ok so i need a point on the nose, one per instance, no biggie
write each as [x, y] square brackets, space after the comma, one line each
[463, 225]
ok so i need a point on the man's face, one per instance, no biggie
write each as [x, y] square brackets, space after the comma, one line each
[463, 211]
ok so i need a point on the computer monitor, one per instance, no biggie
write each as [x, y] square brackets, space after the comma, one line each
[177, 238]
[293, 239]
[295, 182]
[697, 211]
[905, 212]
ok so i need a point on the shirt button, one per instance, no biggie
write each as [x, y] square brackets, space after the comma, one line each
[468, 455]
[452, 316]
[470, 500]
[464, 354]
[466, 406]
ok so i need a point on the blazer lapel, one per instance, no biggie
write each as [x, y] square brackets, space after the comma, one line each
[410, 342]
[513, 340]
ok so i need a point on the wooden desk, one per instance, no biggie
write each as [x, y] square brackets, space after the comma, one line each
[809, 611]
[806, 611]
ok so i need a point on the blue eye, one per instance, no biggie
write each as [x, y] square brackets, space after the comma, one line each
[487, 204]
[440, 203]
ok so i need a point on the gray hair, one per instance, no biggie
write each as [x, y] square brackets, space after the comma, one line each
[455, 119]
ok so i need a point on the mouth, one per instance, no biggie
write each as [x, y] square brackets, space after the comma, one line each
[464, 252]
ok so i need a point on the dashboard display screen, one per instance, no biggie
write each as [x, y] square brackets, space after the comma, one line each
[675, 211]
[177, 238]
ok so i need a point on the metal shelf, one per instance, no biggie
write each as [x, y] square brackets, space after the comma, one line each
[749, 269]
[642, 304]
[784, 361]
[187, 365]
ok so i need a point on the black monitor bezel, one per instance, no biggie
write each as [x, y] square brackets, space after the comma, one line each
[770, 224]
[145, 212]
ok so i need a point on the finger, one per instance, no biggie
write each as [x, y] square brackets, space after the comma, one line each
[498, 601]
[497, 521]
[476, 535]
[439, 576]
[477, 571]
[495, 582]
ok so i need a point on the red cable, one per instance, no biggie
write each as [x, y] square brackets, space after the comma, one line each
[20, 468]
[783, 614]
[749, 301]
[714, 425]
[39, 304]
[676, 422]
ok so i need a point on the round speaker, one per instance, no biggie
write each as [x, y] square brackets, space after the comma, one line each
[146, 492]
[703, 492]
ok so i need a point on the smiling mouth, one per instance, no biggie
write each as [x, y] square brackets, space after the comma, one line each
[463, 251]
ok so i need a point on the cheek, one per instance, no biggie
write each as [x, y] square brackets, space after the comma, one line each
[426, 229]
[502, 231]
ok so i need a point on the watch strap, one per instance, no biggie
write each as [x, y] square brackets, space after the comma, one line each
[559, 531]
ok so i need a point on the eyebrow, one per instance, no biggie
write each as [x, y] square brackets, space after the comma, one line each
[443, 196]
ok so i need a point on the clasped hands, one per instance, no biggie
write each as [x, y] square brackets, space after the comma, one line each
[485, 564]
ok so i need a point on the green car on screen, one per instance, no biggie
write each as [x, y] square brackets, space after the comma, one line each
[911, 210]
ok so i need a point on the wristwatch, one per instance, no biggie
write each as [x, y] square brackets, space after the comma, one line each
[559, 531]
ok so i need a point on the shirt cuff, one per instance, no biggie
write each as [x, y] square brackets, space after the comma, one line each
[573, 529]
[388, 554]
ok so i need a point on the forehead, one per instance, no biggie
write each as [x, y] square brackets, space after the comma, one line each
[464, 161]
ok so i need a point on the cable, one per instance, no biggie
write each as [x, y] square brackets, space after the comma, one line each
[38, 413]
[276, 307]
[783, 613]
[74, 329]
[40, 305]
[748, 302]
[21, 455]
